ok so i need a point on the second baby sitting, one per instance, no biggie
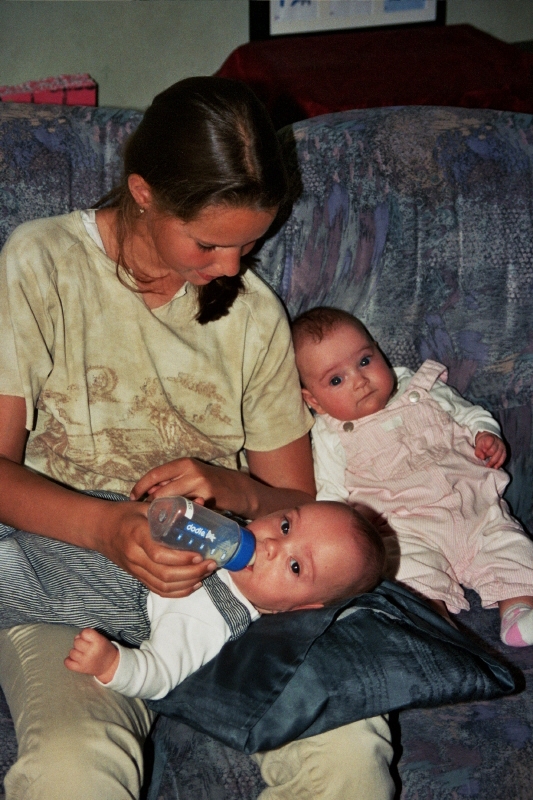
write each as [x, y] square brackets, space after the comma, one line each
[410, 448]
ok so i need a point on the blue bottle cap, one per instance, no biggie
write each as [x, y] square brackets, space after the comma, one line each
[242, 555]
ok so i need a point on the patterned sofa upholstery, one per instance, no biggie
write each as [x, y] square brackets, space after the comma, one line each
[420, 221]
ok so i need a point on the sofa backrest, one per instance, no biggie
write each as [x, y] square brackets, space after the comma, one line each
[420, 221]
[54, 159]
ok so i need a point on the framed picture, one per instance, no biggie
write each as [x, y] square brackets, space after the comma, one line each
[292, 17]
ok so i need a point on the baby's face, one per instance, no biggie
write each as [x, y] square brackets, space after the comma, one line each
[302, 555]
[345, 375]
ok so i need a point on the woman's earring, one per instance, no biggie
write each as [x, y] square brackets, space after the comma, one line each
[141, 210]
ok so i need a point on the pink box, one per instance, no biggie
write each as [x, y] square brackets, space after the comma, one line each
[18, 97]
[70, 90]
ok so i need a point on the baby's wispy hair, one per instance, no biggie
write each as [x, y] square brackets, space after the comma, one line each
[316, 323]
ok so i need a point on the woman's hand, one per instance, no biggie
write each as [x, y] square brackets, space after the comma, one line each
[280, 478]
[186, 477]
[126, 541]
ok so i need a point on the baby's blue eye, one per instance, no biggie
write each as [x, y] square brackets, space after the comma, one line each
[285, 527]
[206, 247]
[295, 567]
[365, 361]
[335, 380]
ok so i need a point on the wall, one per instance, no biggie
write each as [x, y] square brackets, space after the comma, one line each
[132, 49]
[510, 20]
[135, 49]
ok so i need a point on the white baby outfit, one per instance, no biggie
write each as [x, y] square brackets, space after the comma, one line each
[186, 632]
[415, 464]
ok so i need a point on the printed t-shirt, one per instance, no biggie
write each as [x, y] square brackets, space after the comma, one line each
[120, 388]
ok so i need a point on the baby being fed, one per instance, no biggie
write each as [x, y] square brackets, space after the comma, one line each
[306, 557]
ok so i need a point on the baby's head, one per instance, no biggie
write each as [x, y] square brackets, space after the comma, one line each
[314, 555]
[342, 370]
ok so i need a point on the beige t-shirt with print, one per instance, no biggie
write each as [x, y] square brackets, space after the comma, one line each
[120, 388]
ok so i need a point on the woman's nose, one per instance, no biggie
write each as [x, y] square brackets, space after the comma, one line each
[229, 261]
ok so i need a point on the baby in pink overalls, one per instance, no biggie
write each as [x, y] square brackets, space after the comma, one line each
[414, 451]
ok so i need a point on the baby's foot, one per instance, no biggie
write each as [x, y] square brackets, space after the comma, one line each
[517, 625]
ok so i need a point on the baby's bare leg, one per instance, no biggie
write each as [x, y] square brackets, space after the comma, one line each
[513, 601]
[93, 654]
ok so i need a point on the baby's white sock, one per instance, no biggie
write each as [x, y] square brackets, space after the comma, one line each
[517, 625]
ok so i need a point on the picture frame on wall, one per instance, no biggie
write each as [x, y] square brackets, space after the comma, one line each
[270, 18]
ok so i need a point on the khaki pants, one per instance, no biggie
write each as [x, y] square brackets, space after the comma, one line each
[348, 763]
[78, 740]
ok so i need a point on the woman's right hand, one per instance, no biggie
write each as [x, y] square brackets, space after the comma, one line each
[164, 570]
[119, 531]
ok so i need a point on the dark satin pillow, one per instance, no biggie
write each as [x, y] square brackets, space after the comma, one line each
[301, 673]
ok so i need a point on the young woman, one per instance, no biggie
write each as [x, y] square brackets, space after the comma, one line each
[141, 356]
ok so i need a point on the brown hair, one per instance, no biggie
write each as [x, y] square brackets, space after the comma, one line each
[316, 323]
[203, 141]
[371, 544]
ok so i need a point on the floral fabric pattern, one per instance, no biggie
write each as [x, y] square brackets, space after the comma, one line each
[57, 159]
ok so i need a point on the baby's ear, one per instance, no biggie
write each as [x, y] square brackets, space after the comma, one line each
[312, 402]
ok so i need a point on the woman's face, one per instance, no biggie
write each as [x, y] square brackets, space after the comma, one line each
[208, 247]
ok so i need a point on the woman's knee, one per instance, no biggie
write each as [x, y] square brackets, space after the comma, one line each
[103, 762]
[68, 728]
[352, 761]
[106, 765]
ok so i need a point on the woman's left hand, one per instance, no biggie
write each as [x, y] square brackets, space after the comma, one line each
[187, 477]
[281, 478]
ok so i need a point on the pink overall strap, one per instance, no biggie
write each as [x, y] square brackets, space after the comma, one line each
[426, 377]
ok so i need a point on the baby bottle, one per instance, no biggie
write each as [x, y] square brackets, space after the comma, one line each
[180, 523]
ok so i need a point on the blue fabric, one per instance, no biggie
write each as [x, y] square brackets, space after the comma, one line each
[298, 674]
[479, 751]
[54, 159]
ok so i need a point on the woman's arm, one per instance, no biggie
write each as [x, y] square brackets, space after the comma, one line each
[117, 530]
[278, 478]
[286, 477]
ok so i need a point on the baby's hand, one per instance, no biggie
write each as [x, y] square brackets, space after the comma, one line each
[490, 449]
[93, 654]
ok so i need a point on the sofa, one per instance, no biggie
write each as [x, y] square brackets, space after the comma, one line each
[420, 221]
